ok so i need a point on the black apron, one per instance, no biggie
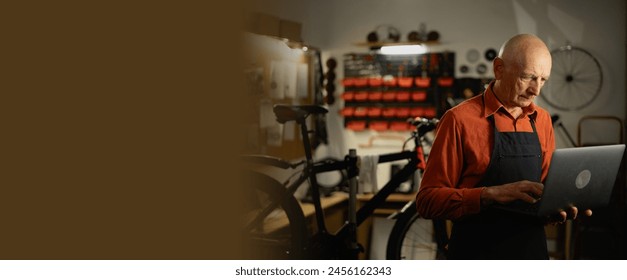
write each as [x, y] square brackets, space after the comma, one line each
[494, 233]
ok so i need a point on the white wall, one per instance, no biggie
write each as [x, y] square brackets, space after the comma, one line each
[336, 26]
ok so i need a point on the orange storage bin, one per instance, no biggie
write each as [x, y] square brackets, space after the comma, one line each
[419, 96]
[430, 112]
[389, 96]
[399, 126]
[356, 125]
[402, 112]
[375, 82]
[402, 96]
[378, 125]
[388, 112]
[348, 96]
[445, 81]
[347, 111]
[360, 112]
[405, 82]
[348, 82]
[374, 112]
[423, 82]
[389, 81]
[361, 96]
[375, 96]
[417, 112]
[361, 82]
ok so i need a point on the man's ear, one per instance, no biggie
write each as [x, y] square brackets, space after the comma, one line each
[498, 67]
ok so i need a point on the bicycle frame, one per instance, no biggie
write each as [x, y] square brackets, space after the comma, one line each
[356, 217]
[308, 173]
[347, 232]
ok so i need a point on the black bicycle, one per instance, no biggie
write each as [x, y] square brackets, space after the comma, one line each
[275, 225]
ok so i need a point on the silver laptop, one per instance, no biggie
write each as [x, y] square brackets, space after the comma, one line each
[583, 177]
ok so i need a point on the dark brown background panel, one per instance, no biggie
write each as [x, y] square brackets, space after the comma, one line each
[116, 130]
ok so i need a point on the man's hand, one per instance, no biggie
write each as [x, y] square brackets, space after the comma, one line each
[563, 215]
[529, 192]
[522, 190]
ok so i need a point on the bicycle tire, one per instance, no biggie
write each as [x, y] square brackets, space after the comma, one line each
[287, 243]
[415, 238]
[576, 79]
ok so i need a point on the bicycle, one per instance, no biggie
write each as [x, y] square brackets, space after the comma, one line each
[276, 199]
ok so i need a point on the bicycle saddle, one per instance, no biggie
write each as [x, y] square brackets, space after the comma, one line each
[285, 113]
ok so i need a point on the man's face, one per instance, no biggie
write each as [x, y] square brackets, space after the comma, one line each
[523, 79]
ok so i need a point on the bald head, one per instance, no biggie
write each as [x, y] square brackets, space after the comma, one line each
[520, 47]
[520, 71]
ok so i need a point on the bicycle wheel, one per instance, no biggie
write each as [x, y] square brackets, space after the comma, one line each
[415, 238]
[279, 234]
[575, 81]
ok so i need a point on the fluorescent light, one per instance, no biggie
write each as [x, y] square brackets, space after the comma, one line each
[404, 49]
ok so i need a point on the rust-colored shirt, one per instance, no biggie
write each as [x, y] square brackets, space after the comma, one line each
[461, 153]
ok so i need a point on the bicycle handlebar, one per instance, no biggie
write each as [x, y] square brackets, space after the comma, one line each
[423, 125]
[420, 121]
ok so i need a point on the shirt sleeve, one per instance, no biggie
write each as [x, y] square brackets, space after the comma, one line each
[548, 144]
[439, 196]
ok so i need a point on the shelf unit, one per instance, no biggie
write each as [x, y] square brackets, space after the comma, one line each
[382, 91]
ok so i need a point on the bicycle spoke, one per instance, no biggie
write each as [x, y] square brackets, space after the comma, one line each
[576, 79]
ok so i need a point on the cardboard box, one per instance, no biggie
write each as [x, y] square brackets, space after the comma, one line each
[265, 24]
[290, 30]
